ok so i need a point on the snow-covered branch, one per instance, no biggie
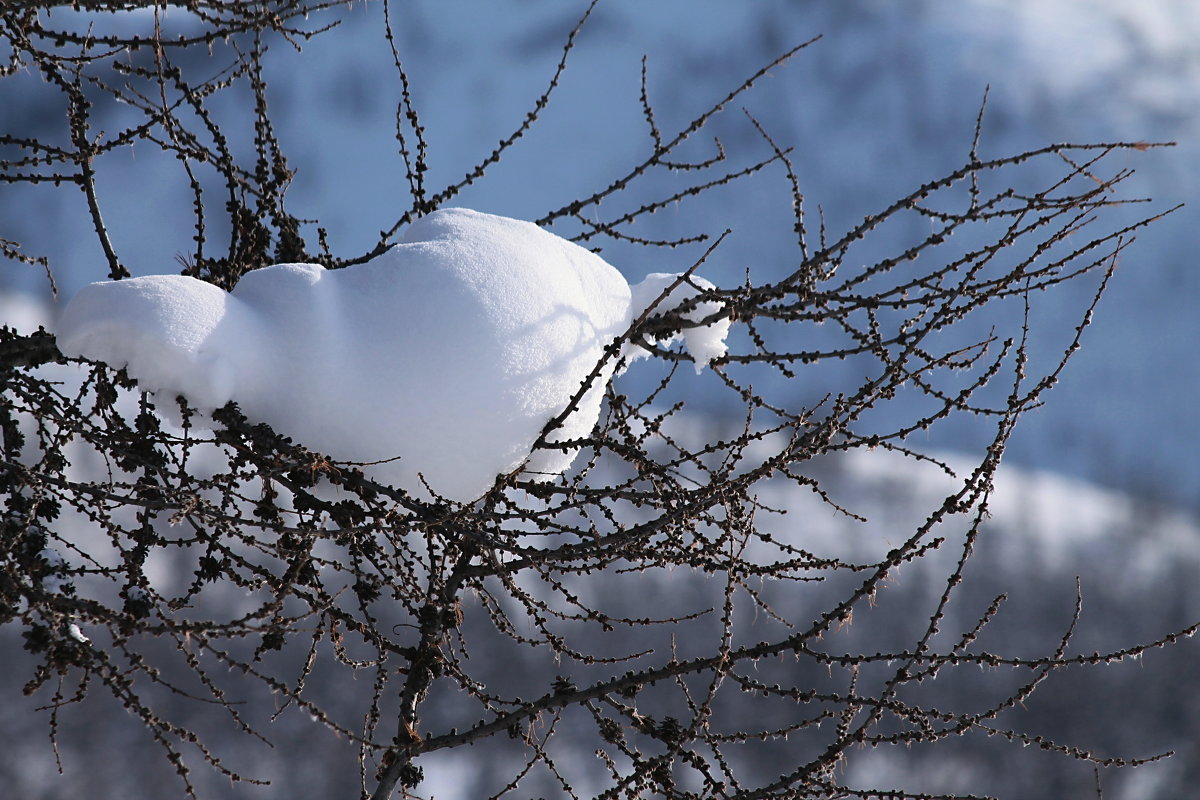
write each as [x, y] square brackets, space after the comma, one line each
[452, 492]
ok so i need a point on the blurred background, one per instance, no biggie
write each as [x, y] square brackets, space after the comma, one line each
[1105, 476]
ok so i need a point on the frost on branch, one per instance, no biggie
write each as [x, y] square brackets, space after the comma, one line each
[443, 358]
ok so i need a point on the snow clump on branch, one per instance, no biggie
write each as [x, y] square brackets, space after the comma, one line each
[444, 357]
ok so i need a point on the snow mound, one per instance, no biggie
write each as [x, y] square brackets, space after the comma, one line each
[662, 291]
[444, 358]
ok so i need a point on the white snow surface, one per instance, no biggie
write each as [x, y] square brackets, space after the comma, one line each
[443, 358]
[666, 290]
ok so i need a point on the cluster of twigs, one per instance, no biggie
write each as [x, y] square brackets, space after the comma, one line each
[249, 555]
